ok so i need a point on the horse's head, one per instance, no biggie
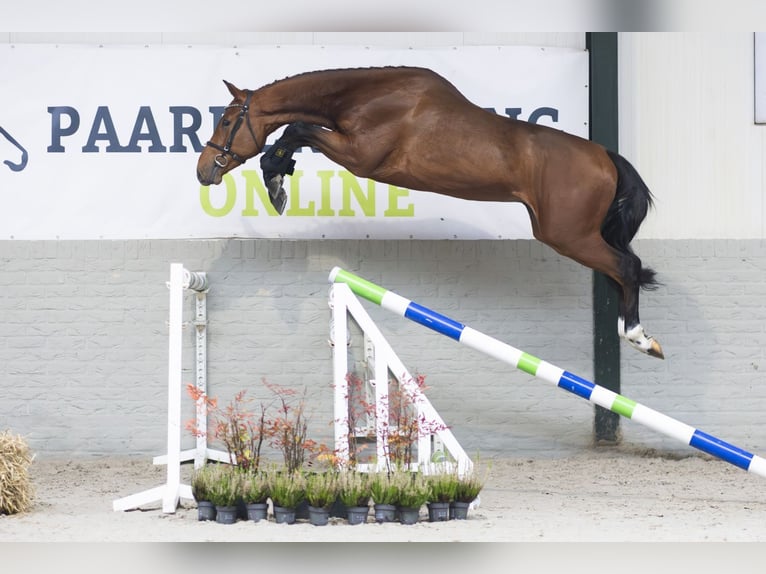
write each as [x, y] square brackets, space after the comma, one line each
[237, 137]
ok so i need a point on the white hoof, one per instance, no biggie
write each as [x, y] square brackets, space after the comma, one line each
[640, 340]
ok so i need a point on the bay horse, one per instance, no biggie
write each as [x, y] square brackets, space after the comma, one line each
[411, 128]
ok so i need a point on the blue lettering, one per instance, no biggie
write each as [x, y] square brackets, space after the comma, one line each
[145, 117]
[57, 130]
[217, 112]
[190, 131]
[552, 113]
[187, 121]
[103, 117]
[533, 118]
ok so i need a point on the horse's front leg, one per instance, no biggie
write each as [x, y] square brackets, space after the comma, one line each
[277, 162]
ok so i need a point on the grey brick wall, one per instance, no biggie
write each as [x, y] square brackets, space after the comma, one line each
[83, 337]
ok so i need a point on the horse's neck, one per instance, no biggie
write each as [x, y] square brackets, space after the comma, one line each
[305, 98]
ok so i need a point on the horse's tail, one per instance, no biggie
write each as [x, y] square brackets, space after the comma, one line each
[628, 210]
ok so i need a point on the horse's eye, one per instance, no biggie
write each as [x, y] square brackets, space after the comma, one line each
[225, 123]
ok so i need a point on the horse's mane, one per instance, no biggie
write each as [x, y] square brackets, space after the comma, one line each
[328, 71]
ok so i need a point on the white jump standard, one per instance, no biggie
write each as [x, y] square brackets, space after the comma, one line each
[548, 372]
[169, 493]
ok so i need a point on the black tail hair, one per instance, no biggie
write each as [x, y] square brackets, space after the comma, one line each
[628, 210]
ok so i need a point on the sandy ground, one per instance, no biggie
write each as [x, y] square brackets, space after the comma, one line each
[603, 509]
[611, 494]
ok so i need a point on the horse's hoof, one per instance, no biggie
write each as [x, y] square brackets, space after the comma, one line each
[655, 350]
[639, 340]
[277, 193]
[279, 201]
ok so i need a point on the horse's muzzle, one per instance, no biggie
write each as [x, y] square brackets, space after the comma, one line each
[213, 177]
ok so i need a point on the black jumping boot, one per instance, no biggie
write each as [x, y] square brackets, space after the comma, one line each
[277, 162]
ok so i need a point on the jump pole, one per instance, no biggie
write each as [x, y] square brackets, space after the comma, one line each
[546, 371]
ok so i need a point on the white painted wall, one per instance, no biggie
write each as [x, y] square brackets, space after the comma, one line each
[687, 123]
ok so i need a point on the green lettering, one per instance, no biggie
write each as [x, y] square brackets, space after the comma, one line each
[366, 202]
[394, 194]
[254, 186]
[231, 198]
[326, 197]
[295, 198]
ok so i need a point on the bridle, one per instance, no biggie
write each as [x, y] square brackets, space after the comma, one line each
[221, 160]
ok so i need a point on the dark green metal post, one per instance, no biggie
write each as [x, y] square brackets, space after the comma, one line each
[602, 49]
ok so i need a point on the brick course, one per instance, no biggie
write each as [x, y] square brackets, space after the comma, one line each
[83, 337]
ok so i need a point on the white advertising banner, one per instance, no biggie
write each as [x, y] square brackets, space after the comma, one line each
[102, 142]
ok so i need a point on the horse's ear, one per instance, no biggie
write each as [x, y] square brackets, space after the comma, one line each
[233, 90]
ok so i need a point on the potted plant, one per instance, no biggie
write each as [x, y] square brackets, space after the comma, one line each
[288, 433]
[442, 487]
[384, 493]
[288, 430]
[413, 492]
[354, 493]
[467, 490]
[224, 493]
[287, 490]
[406, 425]
[255, 495]
[200, 485]
[321, 492]
[241, 430]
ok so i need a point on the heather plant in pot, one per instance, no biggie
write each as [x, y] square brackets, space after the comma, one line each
[467, 489]
[442, 486]
[321, 492]
[354, 493]
[255, 494]
[354, 488]
[225, 491]
[412, 493]
[255, 487]
[201, 484]
[442, 489]
[287, 490]
[384, 492]
[322, 488]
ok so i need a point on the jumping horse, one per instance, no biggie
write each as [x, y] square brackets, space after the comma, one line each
[412, 128]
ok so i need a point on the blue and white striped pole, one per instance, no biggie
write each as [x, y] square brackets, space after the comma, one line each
[548, 372]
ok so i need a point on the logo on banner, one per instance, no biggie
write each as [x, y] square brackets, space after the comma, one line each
[14, 155]
[354, 197]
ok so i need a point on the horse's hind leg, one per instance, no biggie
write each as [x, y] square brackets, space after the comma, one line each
[628, 323]
[624, 269]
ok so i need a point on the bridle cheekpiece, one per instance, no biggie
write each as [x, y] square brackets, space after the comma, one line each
[221, 160]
